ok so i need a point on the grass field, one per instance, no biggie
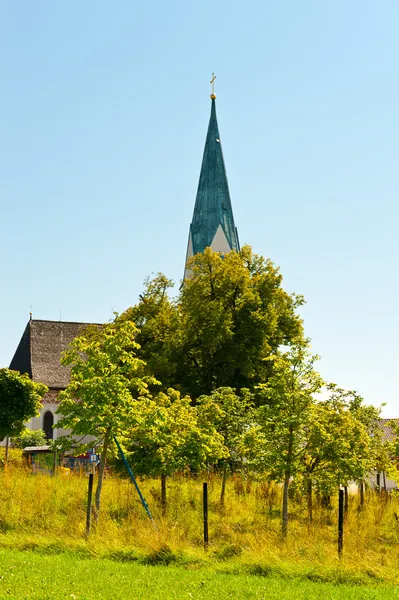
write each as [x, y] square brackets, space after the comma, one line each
[45, 554]
[26, 575]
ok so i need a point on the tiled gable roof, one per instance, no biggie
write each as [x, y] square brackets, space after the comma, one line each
[39, 351]
[388, 432]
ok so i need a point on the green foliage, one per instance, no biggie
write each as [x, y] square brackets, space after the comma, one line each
[231, 414]
[20, 400]
[234, 315]
[229, 316]
[171, 436]
[30, 438]
[107, 382]
[277, 441]
[233, 341]
[107, 385]
[158, 322]
[342, 440]
[276, 444]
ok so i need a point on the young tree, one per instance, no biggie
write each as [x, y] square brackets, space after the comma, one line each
[20, 400]
[338, 448]
[277, 442]
[106, 388]
[232, 416]
[170, 436]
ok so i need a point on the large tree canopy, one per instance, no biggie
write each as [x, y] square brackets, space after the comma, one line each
[20, 400]
[229, 316]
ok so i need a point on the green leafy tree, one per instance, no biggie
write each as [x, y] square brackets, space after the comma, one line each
[277, 442]
[234, 315]
[229, 316]
[232, 414]
[30, 438]
[338, 446]
[20, 400]
[107, 385]
[171, 435]
[158, 322]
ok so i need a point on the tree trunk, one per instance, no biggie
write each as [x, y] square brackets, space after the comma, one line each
[287, 476]
[326, 501]
[54, 461]
[310, 501]
[163, 494]
[224, 481]
[101, 472]
[284, 526]
[7, 450]
[384, 479]
[361, 495]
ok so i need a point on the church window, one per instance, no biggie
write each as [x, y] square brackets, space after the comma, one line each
[48, 422]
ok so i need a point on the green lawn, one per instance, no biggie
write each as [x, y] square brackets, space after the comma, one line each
[27, 575]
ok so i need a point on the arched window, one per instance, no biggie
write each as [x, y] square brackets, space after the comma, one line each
[48, 422]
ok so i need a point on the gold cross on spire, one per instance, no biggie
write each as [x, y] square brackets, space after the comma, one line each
[212, 81]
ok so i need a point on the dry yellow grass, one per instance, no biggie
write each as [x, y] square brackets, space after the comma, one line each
[48, 514]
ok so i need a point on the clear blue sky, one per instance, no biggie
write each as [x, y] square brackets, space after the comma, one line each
[103, 115]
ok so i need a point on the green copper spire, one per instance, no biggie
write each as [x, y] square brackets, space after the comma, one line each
[213, 221]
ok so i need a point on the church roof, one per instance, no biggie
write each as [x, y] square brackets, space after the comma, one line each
[213, 205]
[39, 351]
[388, 429]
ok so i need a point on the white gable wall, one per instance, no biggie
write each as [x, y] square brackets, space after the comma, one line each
[219, 242]
[189, 254]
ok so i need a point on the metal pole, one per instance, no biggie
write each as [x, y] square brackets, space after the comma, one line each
[205, 503]
[340, 523]
[132, 477]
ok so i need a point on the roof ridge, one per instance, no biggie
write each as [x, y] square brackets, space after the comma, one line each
[62, 322]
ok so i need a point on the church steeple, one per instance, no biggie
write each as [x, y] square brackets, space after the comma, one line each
[213, 221]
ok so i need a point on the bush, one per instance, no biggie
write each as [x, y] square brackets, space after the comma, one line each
[30, 438]
[15, 458]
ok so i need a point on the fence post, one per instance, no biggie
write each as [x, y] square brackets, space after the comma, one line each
[205, 503]
[340, 523]
[89, 498]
